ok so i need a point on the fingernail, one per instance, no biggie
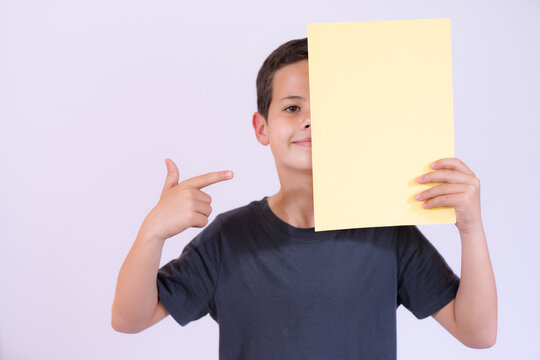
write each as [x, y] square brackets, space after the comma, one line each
[229, 174]
[420, 179]
[424, 205]
[418, 197]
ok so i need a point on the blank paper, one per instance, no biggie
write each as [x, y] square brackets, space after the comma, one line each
[381, 113]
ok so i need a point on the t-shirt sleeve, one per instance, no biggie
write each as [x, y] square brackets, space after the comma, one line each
[425, 281]
[186, 285]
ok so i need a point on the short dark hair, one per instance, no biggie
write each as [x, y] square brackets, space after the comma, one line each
[290, 52]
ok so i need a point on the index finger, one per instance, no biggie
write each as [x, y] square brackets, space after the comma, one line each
[210, 178]
[453, 164]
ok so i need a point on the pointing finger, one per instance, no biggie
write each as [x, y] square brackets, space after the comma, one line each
[208, 179]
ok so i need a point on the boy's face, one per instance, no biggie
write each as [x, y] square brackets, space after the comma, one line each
[289, 120]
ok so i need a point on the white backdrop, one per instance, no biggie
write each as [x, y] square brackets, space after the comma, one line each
[94, 95]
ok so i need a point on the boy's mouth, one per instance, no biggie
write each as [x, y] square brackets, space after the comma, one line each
[304, 142]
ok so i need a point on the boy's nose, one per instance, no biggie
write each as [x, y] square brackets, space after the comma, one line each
[306, 122]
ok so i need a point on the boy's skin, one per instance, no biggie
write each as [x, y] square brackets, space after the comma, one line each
[290, 122]
[471, 317]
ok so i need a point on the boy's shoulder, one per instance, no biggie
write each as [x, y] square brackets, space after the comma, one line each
[240, 211]
[229, 224]
[240, 216]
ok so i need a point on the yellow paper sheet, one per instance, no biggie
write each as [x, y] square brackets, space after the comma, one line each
[381, 113]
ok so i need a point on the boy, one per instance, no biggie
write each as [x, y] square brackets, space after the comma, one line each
[278, 289]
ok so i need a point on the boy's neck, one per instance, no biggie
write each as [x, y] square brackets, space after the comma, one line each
[294, 206]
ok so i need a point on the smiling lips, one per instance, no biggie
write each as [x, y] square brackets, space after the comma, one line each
[304, 142]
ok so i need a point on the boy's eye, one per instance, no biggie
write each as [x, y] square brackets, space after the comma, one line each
[292, 108]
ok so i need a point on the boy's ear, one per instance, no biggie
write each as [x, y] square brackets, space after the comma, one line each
[261, 128]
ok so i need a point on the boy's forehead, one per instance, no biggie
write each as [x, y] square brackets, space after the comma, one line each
[291, 79]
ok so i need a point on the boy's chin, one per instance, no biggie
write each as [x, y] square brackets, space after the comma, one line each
[306, 169]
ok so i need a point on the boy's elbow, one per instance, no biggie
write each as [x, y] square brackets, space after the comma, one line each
[124, 327]
[489, 343]
[120, 325]
[482, 343]
[490, 340]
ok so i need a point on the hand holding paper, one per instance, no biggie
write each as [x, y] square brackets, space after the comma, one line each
[460, 189]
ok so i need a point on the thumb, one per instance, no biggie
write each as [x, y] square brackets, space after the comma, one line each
[172, 174]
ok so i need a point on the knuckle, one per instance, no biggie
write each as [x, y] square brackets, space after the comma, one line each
[187, 193]
[198, 219]
[205, 196]
[193, 217]
[190, 202]
[203, 220]
[470, 196]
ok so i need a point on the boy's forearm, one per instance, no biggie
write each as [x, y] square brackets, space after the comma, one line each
[136, 294]
[476, 299]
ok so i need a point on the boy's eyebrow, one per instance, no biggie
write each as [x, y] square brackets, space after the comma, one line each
[292, 97]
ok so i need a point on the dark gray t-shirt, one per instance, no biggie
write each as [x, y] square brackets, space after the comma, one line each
[281, 292]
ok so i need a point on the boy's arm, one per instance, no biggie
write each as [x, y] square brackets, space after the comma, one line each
[136, 305]
[472, 316]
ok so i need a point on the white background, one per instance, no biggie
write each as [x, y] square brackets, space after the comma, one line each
[94, 95]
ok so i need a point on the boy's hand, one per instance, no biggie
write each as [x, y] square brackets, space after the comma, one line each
[460, 190]
[181, 205]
